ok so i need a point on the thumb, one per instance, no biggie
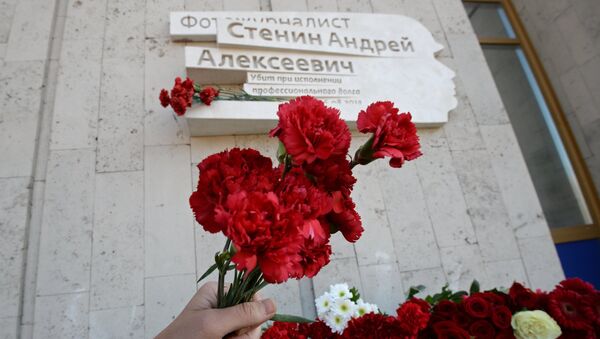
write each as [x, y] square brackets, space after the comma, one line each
[248, 314]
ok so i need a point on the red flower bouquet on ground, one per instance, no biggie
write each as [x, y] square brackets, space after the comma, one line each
[279, 219]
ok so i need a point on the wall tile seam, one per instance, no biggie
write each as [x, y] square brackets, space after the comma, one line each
[439, 20]
[169, 275]
[33, 227]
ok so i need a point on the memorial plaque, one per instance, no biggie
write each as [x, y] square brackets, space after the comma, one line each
[348, 60]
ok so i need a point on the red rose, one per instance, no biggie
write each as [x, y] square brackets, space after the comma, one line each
[281, 330]
[164, 98]
[477, 307]
[449, 330]
[445, 308]
[394, 135]
[570, 310]
[506, 334]
[375, 326]
[208, 94]
[482, 329]
[309, 130]
[501, 316]
[228, 172]
[345, 219]
[523, 297]
[462, 318]
[494, 298]
[413, 316]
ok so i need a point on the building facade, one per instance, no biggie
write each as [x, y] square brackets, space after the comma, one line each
[97, 239]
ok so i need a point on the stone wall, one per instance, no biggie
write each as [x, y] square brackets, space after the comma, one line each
[566, 35]
[95, 233]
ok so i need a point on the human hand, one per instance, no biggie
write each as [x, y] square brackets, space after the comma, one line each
[201, 319]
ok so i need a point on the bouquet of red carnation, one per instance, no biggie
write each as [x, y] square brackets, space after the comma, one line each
[184, 93]
[279, 219]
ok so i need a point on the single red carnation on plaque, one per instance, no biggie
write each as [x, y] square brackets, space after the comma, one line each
[282, 330]
[228, 172]
[449, 330]
[482, 329]
[394, 135]
[208, 94]
[165, 100]
[477, 307]
[501, 316]
[523, 297]
[569, 309]
[309, 130]
[413, 316]
[375, 326]
[181, 96]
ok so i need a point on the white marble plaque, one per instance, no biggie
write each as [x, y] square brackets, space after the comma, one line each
[262, 68]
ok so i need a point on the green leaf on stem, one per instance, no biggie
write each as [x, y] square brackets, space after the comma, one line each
[413, 290]
[281, 152]
[474, 287]
[355, 294]
[286, 318]
[208, 272]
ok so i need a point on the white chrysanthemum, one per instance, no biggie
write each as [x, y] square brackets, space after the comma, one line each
[340, 291]
[344, 307]
[363, 308]
[324, 303]
[336, 322]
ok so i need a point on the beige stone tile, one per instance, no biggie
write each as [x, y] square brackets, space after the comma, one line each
[462, 265]
[382, 285]
[241, 5]
[8, 327]
[169, 227]
[443, 194]
[363, 6]
[412, 233]
[433, 279]
[75, 114]
[124, 35]
[14, 203]
[85, 20]
[322, 5]
[336, 272]
[157, 17]
[485, 205]
[202, 147]
[286, 296]
[118, 242]
[7, 13]
[578, 39]
[453, 17]
[288, 5]
[504, 273]
[165, 298]
[120, 127]
[541, 262]
[375, 245]
[203, 5]
[61, 316]
[126, 322]
[66, 235]
[519, 195]
[30, 31]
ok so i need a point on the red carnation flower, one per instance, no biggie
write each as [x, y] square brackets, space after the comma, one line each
[228, 172]
[181, 96]
[376, 326]
[309, 130]
[208, 94]
[523, 297]
[333, 174]
[281, 330]
[449, 330]
[345, 219]
[317, 330]
[577, 285]
[164, 98]
[482, 329]
[501, 316]
[569, 309]
[394, 135]
[413, 316]
[477, 307]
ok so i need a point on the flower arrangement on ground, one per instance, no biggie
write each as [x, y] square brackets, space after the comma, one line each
[278, 220]
[571, 310]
